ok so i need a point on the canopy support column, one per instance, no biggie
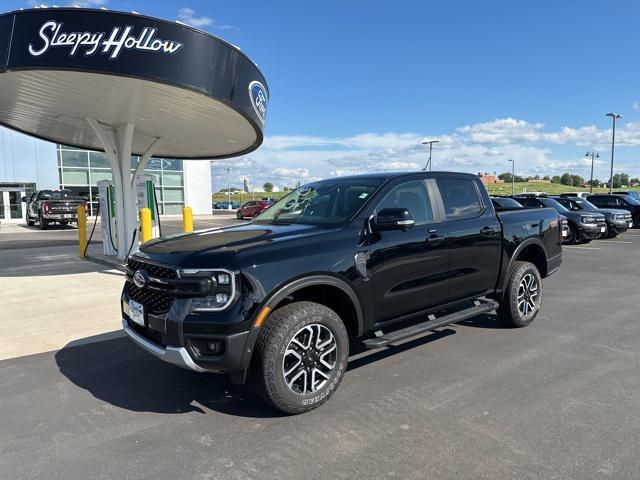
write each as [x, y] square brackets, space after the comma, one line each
[118, 153]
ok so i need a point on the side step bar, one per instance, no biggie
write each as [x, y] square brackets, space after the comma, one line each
[481, 306]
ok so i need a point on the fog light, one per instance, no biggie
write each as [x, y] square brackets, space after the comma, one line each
[224, 279]
[222, 298]
[215, 348]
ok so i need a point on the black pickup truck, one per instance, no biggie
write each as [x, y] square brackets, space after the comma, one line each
[373, 258]
[50, 206]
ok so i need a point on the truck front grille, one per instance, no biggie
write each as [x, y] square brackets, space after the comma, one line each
[154, 301]
[152, 269]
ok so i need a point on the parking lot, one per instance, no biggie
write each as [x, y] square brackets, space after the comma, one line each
[560, 399]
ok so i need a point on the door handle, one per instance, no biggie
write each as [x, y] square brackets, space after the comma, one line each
[487, 231]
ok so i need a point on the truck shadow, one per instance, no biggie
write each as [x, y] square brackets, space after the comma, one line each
[118, 372]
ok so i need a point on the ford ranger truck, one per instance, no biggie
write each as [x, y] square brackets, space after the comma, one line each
[376, 258]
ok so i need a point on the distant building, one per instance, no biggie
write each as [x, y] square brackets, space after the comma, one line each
[488, 178]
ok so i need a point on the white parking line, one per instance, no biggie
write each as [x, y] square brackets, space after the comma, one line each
[578, 247]
[613, 241]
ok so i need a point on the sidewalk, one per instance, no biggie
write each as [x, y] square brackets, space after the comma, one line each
[51, 298]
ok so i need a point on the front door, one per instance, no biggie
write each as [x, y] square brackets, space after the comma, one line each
[409, 268]
[12, 208]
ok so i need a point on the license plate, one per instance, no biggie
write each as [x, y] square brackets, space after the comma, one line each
[136, 312]
[67, 215]
[603, 229]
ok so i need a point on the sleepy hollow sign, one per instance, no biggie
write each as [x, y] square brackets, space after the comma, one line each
[111, 44]
[37, 42]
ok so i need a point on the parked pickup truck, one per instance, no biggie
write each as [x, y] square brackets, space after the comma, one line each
[49, 206]
[374, 258]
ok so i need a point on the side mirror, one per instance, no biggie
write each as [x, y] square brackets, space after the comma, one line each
[394, 219]
[24, 199]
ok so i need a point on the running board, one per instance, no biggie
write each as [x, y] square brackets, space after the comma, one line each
[481, 306]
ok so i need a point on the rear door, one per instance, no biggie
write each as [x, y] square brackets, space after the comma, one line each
[475, 237]
[409, 268]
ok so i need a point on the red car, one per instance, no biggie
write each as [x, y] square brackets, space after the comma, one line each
[252, 209]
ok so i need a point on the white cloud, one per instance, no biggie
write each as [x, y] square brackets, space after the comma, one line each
[636, 106]
[188, 16]
[484, 146]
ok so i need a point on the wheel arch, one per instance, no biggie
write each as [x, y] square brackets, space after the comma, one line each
[531, 250]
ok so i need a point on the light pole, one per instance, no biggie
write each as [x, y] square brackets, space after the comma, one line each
[593, 156]
[513, 176]
[228, 190]
[430, 143]
[614, 116]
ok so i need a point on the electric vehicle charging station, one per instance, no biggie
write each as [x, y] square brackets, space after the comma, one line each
[146, 198]
[128, 84]
[106, 195]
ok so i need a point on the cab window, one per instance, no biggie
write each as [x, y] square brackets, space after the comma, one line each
[460, 198]
[412, 196]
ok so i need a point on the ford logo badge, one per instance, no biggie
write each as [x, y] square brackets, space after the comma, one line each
[259, 99]
[140, 278]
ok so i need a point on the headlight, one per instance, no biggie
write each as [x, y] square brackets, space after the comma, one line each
[223, 290]
[588, 219]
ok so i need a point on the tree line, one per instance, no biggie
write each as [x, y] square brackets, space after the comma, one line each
[573, 180]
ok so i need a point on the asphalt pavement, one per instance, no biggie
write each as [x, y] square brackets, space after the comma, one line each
[559, 399]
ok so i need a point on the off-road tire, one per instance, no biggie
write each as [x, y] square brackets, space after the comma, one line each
[267, 369]
[30, 221]
[44, 224]
[573, 236]
[509, 311]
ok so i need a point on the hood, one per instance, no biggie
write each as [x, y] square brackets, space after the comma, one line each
[613, 211]
[222, 242]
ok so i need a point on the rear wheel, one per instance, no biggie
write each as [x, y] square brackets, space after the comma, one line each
[30, 221]
[300, 357]
[44, 223]
[238, 216]
[523, 296]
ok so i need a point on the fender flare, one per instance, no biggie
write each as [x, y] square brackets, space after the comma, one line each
[507, 272]
[285, 290]
[318, 279]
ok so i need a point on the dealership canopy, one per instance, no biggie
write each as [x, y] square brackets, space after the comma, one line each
[128, 84]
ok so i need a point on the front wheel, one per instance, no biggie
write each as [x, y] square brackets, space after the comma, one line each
[238, 216]
[30, 221]
[300, 357]
[523, 296]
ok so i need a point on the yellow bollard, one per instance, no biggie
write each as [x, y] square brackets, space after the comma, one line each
[187, 219]
[81, 213]
[145, 225]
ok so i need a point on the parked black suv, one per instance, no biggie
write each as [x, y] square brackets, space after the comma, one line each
[622, 202]
[582, 227]
[380, 257]
[618, 221]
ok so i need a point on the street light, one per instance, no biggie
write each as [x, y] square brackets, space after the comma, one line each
[613, 116]
[513, 176]
[430, 143]
[593, 156]
[228, 190]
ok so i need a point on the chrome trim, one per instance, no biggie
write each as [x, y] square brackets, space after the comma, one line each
[232, 295]
[406, 222]
[175, 355]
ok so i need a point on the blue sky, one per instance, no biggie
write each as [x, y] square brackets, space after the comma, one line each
[356, 85]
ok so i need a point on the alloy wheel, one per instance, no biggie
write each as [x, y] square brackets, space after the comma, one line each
[309, 359]
[527, 294]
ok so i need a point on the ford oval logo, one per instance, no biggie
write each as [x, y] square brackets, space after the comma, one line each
[259, 99]
[140, 278]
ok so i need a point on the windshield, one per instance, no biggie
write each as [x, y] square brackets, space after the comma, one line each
[551, 203]
[57, 195]
[586, 205]
[326, 203]
[632, 201]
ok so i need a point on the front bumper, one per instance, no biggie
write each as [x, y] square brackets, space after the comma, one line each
[181, 338]
[591, 231]
[178, 356]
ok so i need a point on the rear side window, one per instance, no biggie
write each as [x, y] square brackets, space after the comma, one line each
[460, 198]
